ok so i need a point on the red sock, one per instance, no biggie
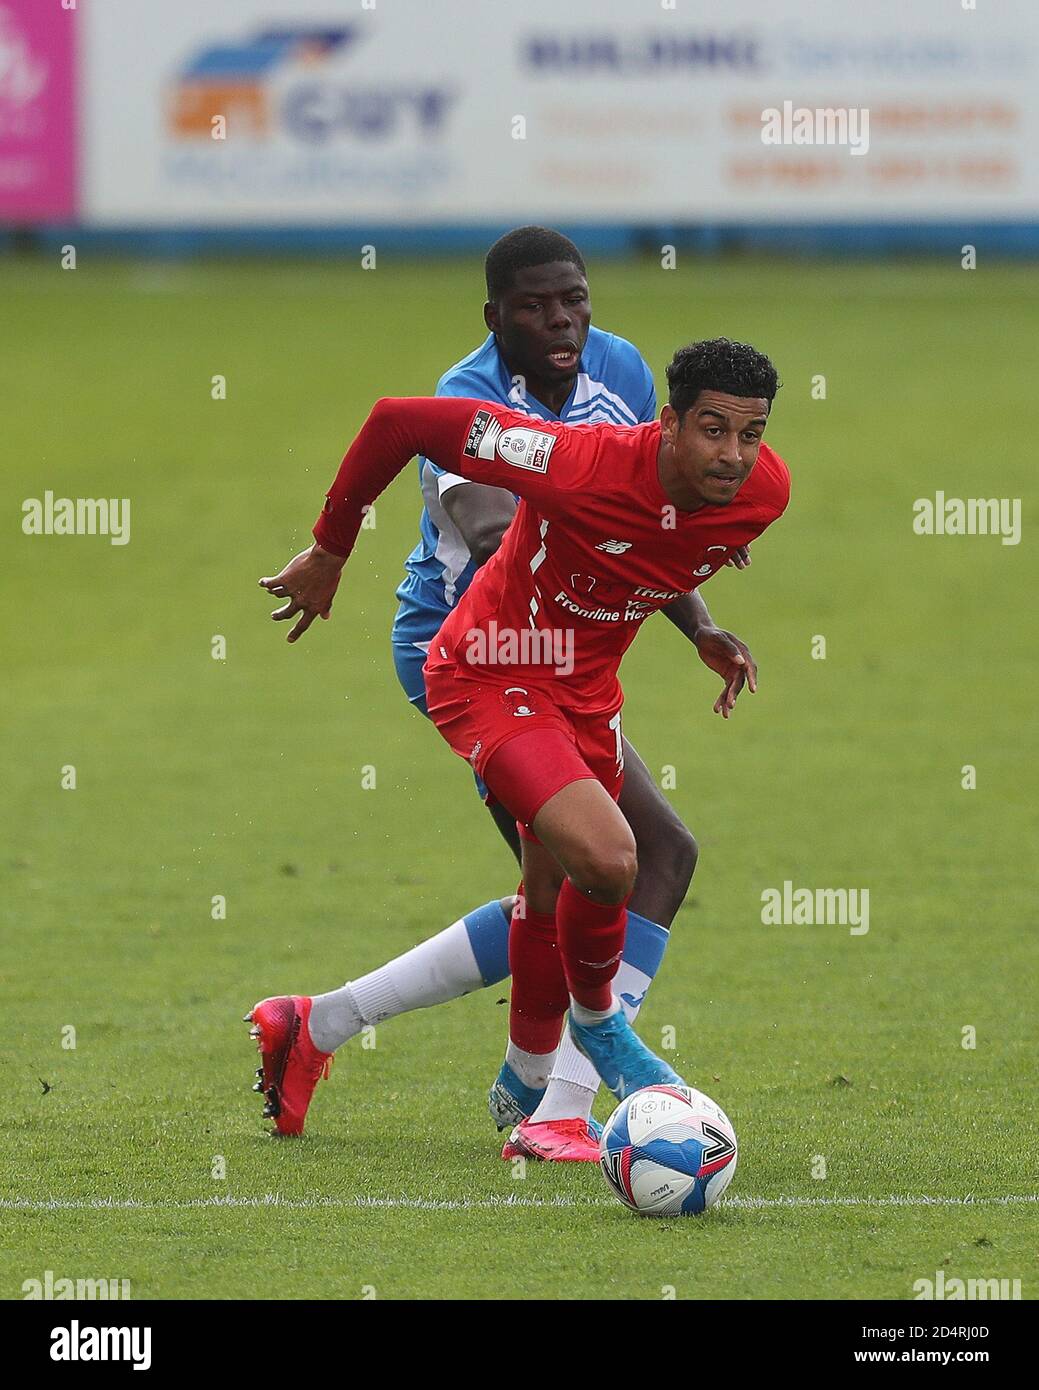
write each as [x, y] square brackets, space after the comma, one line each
[591, 939]
[539, 994]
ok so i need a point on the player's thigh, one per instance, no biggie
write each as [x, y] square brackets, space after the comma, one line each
[652, 818]
[585, 831]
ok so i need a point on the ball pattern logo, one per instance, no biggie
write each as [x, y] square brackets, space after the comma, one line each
[668, 1151]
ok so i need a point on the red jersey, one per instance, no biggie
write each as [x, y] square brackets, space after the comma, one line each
[595, 547]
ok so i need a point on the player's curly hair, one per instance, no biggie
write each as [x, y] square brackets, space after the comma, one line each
[719, 364]
[522, 247]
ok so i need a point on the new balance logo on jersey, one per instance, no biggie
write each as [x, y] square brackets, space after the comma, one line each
[614, 547]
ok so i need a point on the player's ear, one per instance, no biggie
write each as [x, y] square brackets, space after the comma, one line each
[669, 423]
[491, 317]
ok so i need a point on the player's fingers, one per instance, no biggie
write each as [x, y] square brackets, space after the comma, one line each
[734, 687]
[752, 676]
[290, 610]
[744, 661]
[271, 582]
[305, 619]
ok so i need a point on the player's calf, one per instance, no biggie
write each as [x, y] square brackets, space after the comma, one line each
[667, 851]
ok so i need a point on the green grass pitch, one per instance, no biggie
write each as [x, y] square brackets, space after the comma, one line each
[198, 777]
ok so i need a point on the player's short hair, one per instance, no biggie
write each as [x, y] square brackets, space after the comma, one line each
[523, 247]
[719, 364]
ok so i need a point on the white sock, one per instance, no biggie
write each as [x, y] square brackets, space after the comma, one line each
[572, 1085]
[532, 1068]
[334, 1017]
[588, 1017]
[433, 972]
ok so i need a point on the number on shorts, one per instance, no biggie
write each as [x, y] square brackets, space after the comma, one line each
[615, 725]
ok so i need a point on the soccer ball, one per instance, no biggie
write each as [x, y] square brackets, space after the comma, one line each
[668, 1151]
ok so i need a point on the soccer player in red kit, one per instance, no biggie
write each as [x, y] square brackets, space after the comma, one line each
[613, 524]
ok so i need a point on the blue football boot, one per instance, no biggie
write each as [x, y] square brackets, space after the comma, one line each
[620, 1056]
[509, 1101]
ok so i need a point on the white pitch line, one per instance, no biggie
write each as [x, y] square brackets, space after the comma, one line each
[484, 1203]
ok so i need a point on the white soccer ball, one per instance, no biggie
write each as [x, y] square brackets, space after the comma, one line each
[668, 1151]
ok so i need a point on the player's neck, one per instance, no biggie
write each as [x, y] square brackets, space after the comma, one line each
[553, 396]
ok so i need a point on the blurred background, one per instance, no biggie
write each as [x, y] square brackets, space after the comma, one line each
[430, 126]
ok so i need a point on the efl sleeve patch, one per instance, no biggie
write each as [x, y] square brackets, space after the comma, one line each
[525, 448]
[519, 446]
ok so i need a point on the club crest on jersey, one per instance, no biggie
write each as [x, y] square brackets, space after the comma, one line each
[615, 547]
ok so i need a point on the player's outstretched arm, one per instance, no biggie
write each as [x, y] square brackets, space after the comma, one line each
[452, 431]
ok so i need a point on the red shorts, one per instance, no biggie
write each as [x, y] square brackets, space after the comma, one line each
[478, 718]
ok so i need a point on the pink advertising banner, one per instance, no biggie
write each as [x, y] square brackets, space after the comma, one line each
[37, 111]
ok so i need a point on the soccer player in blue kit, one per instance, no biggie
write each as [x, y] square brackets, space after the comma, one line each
[541, 356]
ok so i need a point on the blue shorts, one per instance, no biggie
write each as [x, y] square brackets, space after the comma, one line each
[409, 659]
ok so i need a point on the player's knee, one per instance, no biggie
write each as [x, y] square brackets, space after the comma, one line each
[606, 870]
[669, 860]
[680, 853]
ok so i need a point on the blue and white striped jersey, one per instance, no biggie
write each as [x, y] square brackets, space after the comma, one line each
[613, 384]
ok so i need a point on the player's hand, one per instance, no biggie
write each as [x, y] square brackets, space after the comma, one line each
[731, 658]
[740, 557]
[309, 582]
